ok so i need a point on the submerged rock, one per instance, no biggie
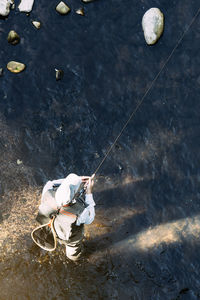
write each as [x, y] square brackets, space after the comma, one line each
[80, 11]
[59, 74]
[19, 162]
[87, 1]
[12, 5]
[13, 38]
[1, 72]
[36, 24]
[15, 67]
[152, 24]
[62, 8]
[5, 7]
[26, 5]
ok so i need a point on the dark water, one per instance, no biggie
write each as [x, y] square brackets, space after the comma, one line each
[145, 241]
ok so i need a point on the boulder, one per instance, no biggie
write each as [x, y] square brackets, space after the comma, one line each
[26, 5]
[5, 7]
[62, 8]
[153, 25]
[15, 67]
[13, 38]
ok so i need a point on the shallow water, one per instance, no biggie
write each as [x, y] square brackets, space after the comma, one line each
[144, 243]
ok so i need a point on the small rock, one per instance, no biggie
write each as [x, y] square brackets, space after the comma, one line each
[1, 72]
[13, 5]
[19, 162]
[13, 38]
[152, 24]
[80, 11]
[26, 5]
[59, 74]
[62, 8]
[15, 67]
[87, 1]
[37, 24]
[5, 7]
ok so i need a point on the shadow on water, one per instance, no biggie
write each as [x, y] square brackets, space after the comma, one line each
[122, 250]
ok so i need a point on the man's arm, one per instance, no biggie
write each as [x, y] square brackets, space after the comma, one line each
[87, 216]
[46, 207]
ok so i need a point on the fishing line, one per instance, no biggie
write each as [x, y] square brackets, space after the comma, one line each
[147, 91]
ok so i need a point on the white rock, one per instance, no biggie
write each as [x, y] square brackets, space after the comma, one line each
[37, 24]
[152, 24]
[87, 1]
[19, 162]
[15, 67]
[4, 7]
[26, 5]
[62, 8]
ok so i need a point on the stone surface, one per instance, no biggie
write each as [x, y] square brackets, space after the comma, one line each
[13, 5]
[26, 5]
[36, 24]
[153, 25]
[59, 74]
[87, 1]
[13, 38]
[80, 11]
[19, 162]
[62, 8]
[15, 67]
[4, 7]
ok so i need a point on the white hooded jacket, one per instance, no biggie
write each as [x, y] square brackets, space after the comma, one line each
[65, 193]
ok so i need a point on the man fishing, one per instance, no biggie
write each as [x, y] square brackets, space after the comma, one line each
[69, 203]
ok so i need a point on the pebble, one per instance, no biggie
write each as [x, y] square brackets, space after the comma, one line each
[15, 67]
[59, 74]
[13, 5]
[153, 25]
[36, 24]
[87, 1]
[26, 5]
[80, 11]
[1, 72]
[13, 38]
[62, 8]
[19, 162]
[5, 7]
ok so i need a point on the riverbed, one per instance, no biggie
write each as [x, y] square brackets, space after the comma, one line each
[144, 242]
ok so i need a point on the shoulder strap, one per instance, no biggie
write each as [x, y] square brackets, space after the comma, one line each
[78, 203]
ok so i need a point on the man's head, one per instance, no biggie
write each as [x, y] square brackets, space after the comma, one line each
[66, 191]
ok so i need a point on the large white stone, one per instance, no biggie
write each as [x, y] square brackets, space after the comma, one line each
[153, 25]
[4, 7]
[62, 8]
[15, 67]
[26, 5]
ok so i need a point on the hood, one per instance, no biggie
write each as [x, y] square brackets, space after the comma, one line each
[67, 189]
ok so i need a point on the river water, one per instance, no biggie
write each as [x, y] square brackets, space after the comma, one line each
[144, 243]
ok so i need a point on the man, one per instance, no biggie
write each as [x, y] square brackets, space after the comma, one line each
[61, 199]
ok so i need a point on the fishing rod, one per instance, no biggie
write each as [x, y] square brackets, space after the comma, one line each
[147, 91]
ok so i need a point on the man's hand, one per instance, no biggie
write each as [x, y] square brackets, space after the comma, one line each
[89, 183]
